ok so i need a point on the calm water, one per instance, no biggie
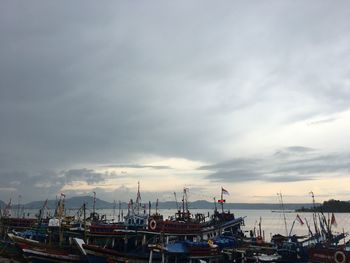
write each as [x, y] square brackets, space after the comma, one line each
[271, 222]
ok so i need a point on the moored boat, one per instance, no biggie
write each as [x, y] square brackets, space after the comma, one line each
[329, 254]
[36, 252]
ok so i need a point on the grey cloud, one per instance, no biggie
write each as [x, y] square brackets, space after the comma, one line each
[318, 164]
[86, 83]
[87, 175]
[294, 164]
[249, 175]
[292, 151]
[287, 178]
[80, 87]
[299, 149]
[235, 176]
[240, 162]
[124, 193]
[322, 121]
[47, 184]
[138, 166]
[31, 185]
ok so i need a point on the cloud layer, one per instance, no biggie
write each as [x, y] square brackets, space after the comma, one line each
[291, 164]
[85, 86]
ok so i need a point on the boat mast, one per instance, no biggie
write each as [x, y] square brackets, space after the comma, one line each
[84, 221]
[183, 203]
[222, 201]
[284, 214]
[177, 204]
[186, 199]
[94, 205]
[314, 213]
[19, 206]
[114, 206]
[157, 207]
[60, 217]
[7, 212]
[120, 204]
[138, 198]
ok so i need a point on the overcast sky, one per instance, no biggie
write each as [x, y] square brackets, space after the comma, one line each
[252, 96]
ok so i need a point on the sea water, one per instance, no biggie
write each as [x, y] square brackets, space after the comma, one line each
[272, 222]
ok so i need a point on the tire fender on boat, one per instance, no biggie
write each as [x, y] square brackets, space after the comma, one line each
[339, 257]
[152, 224]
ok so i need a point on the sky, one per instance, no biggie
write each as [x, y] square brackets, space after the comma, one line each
[251, 96]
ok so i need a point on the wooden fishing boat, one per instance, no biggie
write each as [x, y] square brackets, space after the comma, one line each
[132, 239]
[97, 254]
[40, 254]
[186, 251]
[181, 225]
[36, 252]
[105, 229]
[9, 249]
[18, 223]
[329, 254]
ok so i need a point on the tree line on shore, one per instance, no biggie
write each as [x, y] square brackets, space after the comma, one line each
[330, 206]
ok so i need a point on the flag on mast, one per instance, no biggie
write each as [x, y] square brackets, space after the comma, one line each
[298, 218]
[224, 191]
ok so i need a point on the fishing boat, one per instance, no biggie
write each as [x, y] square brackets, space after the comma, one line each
[330, 254]
[187, 251]
[182, 224]
[36, 252]
[330, 250]
[143, 235]
[9, 224]
[51, 242]
[9, 249]
[99, 254]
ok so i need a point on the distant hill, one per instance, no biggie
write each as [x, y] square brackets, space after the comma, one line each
[72, 203]
[251, 206]
[78, 201]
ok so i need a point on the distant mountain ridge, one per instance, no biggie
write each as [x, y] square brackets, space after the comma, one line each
[77, 201]
[70, 203]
